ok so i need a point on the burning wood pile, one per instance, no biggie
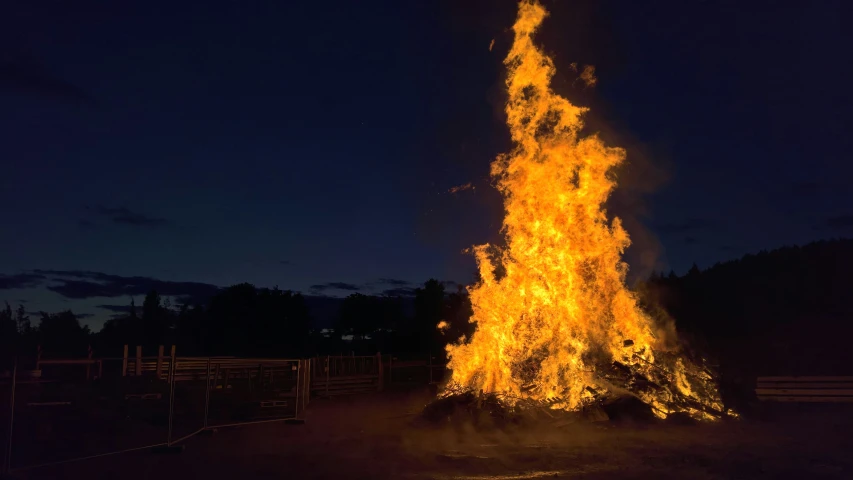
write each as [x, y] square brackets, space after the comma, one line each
[557, 330]
[621, 400]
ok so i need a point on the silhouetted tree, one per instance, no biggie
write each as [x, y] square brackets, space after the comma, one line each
[190, 329]
[228, 323]
[693, 272]
[360, 315]
[60, 335]
[282, 322]
[118, 331]
[429, 311]
[156, 320]
[8, 338]
[243, 320]
[22, 320]
[8, 327]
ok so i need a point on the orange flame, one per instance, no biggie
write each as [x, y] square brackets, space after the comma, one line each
[559, 309]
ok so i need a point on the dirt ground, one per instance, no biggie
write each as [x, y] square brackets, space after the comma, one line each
[373, 437]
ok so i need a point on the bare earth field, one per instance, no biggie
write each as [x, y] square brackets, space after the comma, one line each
[373, 437]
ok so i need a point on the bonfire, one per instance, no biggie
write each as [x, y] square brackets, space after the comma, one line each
[557, 326]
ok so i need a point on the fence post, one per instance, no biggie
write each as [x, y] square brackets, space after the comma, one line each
[159, 360]
[172, 355]
[138, 360]
[171, 397]
[381, 372]
[7, 463]
[89, 365]
[298, 371]
[309, 366]
[207, 394]
[124, 363]
[328, 367]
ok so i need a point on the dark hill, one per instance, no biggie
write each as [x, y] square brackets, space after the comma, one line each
[788, 311]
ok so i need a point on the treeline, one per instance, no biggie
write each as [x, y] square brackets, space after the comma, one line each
[243, 320]
[788, 311]
[60, 332]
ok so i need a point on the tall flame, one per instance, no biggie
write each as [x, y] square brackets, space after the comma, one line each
[559, 309]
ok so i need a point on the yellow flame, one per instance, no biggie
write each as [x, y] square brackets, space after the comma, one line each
[560, 308]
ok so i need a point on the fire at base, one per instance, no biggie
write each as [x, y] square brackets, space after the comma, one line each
[558, 325]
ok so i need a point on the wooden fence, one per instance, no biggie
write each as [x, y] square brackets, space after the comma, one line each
[323, 376]
[805, 389]
[417, 370]
[346, 375]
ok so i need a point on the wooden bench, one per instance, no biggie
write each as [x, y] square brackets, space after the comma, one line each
[804, 389]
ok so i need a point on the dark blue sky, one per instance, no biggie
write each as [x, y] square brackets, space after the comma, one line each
[314, 144]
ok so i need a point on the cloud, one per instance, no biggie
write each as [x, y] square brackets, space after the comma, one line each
[21, 280]
[22, 74]
[399, 292]
[838, 222]
[322, 287]
[116, 308]
[125, 216]
[81, 316]
[78, 289]
[79, 284]
[686, 226]
[286, 262]
[392, 287]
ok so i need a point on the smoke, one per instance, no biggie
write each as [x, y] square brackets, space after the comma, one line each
[638, 178]
[665, 328]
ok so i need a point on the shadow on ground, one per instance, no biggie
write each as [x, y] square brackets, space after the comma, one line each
[374, 437]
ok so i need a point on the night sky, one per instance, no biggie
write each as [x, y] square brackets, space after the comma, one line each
[314, 145]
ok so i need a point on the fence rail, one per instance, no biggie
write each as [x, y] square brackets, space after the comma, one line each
[805, 389]
[428, 369]
[124, 404]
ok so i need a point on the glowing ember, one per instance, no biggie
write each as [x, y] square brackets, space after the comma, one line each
[558, 324]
